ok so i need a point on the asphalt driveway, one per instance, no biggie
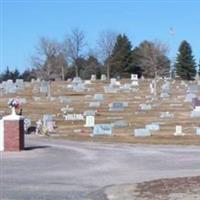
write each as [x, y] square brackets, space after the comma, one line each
[57, 169]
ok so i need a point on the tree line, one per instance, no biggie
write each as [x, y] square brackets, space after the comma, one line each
[114, 56]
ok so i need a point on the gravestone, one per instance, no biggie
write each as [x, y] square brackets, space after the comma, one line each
[116, 106]
[66, 109]
[166, 115]
[145, 107]
[103, 77]
[153, 127]
[10, 87]
[19, 84]
[37, 98]
[126, 87]
[151, 88]
[89, 113]
[193, 89]
[64, 100]
[198, 131]
[95, 104]
[196, 112]
[80, 87]
[142, 132]
[110, 89]
[93, 77]
[74, 117]
[47, 118]
[134, 83]
[98, 97]
[120, 124]
[178, 131]
[189, 97]
[134, 77]
[44, 87]
[195, 102]
[87, 82]
[165, 89]
[113, 82]
[77, 80]
[90, 121]
[102, 129]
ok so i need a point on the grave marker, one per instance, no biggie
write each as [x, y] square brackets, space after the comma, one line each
[102, 129]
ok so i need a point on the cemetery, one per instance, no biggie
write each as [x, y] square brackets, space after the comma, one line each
[125, 108]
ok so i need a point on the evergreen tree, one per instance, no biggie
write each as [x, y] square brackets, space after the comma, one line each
[121, 58]
[185, 63]
[199, 66]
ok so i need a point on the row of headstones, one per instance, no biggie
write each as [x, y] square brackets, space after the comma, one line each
[10, 87]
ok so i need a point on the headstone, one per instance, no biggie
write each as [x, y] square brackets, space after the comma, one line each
[44, 87]
[74, 117]
[142, 132]
[151, 88]
[98, 97]
[89, 113]
[93, 77]
[77, 80]
[50, 126]
[189, 97]
[10, 87]
[135, 83]
[113, 82]
[64, 100]
[145, 107]
[37, 98]
[102, 129]
[19, 84]
[126, 87]
[195, 102]
[153, 127]
[164, 95]
[178, 131]
[116, 106]
[110, 89]
[166, 115]
[103, 77]
[198, 131]
[66, 109]
[196, 112]
[192, 88]
[47, 118]
[90, 121]
[95, 104]
[87, 82]
[134, 77]
[120, 124]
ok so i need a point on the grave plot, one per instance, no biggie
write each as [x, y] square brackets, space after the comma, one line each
[124, 112]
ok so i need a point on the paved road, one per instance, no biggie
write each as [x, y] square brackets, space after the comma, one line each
[56, 169]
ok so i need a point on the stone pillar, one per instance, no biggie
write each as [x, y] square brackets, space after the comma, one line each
[13, 133]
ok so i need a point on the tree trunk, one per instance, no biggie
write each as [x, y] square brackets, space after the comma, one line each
[62, 73]
[108, 71]
[76, 67]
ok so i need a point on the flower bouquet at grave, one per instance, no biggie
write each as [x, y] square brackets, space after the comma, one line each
[13, 104]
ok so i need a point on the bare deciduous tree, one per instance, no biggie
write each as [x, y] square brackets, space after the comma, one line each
[74, 46]
[49, 59]
[106, 43]
[153, 60]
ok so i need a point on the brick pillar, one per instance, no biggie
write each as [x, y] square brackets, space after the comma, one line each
[13, 133]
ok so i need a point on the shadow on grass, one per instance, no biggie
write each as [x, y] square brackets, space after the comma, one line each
[36, 147]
